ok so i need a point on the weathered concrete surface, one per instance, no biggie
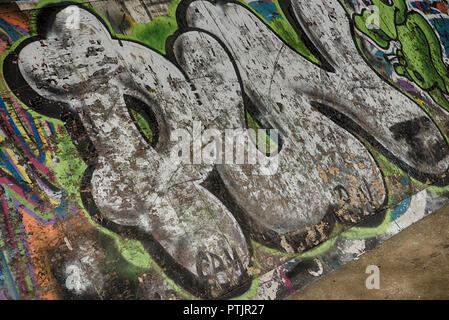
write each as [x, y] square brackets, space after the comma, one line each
[101, 200]
[413, 265]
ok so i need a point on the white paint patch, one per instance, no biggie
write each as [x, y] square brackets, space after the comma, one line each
[415, 212]
[270, 283]
[77, 280]
[317, 272]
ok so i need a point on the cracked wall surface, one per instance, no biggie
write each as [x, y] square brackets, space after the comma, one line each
[342, 105]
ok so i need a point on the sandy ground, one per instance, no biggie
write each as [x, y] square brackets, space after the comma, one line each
[414, 264]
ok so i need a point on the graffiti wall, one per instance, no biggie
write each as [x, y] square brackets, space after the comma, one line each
[213, 149]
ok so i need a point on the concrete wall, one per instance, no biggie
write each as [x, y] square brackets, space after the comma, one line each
[100, 98]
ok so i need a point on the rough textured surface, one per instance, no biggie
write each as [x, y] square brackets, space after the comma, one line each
[413, 265]
[103, 198]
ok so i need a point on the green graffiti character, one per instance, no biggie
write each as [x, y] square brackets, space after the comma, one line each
[420, 57]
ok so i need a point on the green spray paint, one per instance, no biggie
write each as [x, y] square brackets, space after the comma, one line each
[420, 58]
